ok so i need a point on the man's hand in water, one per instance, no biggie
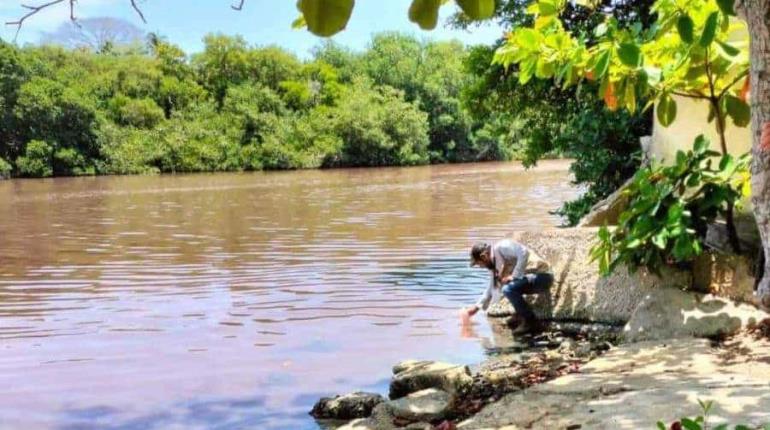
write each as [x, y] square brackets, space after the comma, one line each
[470, 311]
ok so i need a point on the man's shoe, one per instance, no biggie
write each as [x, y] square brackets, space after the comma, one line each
[528, 327]
[513, 321]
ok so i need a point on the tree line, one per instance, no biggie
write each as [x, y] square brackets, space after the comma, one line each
[153, 108]
[112, 108]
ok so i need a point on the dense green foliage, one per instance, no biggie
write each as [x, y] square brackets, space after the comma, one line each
[670, 209]
[235, 107]
[545, 120]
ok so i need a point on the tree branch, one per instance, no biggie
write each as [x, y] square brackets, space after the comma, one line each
[34, 9]
[737, 79]
[138, 11]
[697, 96]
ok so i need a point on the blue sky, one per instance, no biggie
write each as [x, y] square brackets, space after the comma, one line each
[261, 22]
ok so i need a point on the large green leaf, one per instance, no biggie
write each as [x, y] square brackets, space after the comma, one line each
[685, 26]
[326, 17]
[425, 13]
[630, 54]
[666, 110]
[477, 9]
[709, 30]
[727, 7]
[602, 65]
[738, 110]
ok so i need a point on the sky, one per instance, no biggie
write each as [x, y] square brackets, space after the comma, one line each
[261, 22]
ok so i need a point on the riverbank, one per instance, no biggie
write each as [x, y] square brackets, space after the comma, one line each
[581, 380]
[428, 393]
[665, 342]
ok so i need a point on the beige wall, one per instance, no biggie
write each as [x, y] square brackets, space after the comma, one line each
[689, 123]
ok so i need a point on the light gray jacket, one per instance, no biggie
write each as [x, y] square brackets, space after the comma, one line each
[509, 258]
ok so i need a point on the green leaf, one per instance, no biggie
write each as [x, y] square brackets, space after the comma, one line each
[527, 70]
[661, 426]
[742, 427]
[729, 49]
[299, 23]
[685, 26]
[738, 110]
[326, 17]
[666, 110]
[425, 13]
[727, 7]
[688, 423]
[727, 163]
[600, 30]
[602, 65]
[701, 144]
[477, 9]
[547, 8]
[709, 30]
[528, 38]
[630, 97]
[660, 240]
[630, 54]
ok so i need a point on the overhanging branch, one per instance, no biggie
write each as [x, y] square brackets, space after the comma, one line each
[34, 9]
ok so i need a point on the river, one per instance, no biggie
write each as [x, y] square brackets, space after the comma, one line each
[236, 300]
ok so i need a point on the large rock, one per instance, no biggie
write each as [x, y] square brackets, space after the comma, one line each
[383, 419]
[607, 211]
[426, 405]
[579, 292]
[347, 407]
[668, 313]
[411, 376]
[725, 275]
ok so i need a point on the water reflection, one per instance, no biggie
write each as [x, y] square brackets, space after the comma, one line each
[226, 300]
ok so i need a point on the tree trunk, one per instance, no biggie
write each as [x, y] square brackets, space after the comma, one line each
[757, 15]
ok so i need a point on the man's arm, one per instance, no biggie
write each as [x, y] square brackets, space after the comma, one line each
[522, 256]
[483, 302]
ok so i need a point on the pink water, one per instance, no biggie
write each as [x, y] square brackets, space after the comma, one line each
[236, 300]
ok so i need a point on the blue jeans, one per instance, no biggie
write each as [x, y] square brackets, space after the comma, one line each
[514, 291]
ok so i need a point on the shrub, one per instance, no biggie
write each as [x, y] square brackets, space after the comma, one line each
[68, 161]
[37, 160]
[5, 169]
[670, 208]
[378, 128]
[139, 113]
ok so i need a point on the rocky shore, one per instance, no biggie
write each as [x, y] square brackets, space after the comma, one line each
[429, 394]
[638, 348]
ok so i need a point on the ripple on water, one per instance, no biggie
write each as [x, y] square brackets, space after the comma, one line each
[235, 300]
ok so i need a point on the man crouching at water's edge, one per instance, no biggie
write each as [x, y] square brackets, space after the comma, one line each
[516, 270]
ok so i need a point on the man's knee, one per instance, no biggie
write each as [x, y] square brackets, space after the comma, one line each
[514, 287]
[544, 281]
